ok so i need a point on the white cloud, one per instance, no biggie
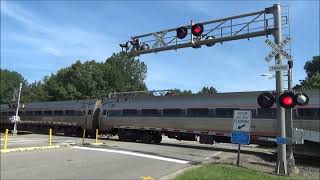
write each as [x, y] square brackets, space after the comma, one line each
[19, 14]
[52, 51]
[69, 41]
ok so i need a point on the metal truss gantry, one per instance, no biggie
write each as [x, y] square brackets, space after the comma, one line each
[245, 26]
[261, 23]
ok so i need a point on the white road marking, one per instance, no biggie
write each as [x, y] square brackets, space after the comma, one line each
[134, 154]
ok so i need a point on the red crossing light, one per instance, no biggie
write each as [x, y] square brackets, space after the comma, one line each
[182, 32]
[197, 29]
[266, 100]
[287, 100]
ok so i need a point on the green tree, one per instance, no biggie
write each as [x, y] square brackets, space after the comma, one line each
[10, 80]
[125, 73]
[312, 81]
[207, 90]
[35, 92]
[312, 67]
[178, 92]
[92, 79]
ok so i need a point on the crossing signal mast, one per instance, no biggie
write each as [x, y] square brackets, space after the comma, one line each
[245, 26]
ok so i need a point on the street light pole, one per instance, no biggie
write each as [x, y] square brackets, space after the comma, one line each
[281, 165]
[17, 111]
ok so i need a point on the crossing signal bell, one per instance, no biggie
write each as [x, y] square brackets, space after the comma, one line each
[266, 100]
[197, 29]
[302, 99]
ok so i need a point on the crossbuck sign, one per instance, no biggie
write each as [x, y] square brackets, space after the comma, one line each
[278, 49]
[159, 39]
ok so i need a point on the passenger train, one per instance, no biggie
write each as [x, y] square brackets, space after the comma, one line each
[205, 118]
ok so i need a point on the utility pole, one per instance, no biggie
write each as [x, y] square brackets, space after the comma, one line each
[17, 111]
[281, 165]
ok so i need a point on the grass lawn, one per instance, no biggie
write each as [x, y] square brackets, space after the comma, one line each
[226, 172]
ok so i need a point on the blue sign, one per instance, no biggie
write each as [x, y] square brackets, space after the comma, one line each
[281, 140]
[240, 137]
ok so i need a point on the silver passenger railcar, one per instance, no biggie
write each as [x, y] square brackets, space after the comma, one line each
[208, 117]
[69, 117]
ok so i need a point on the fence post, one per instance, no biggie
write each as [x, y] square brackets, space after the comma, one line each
[84, 136]
[5, 139]
[50, 137]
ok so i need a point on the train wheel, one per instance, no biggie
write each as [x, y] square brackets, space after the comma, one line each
[67, 131]
[146, 138]
[79, 132]
[157, 138]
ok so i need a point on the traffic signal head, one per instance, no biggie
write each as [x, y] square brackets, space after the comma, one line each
[266, 100]
[182, 32]
[197, 29]
[287, 99]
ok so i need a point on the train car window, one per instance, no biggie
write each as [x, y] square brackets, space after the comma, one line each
[70, 113]
[104, 112]
[29, 113]
[267, 113]
[47, 113]
[58, 113]
[130, 112]
[114, 113]
[38, 113]
[225, 112]
[173, 112]
[21, 113]
[78, 113]
[198, 112]
[307, 113]
[90, 112]
[12, 113]
[150, 112]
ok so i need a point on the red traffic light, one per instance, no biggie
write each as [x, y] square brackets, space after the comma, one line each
[197, 29]
[287, 100]
[266, 100]
[182, 32]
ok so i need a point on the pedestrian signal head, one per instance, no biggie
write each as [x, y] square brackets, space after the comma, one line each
[266, 100]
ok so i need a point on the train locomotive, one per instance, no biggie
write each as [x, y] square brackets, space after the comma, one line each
[203, 118]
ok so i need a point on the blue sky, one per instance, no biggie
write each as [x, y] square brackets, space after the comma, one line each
[40, 37]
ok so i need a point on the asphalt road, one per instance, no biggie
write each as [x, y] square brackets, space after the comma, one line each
[70, 163]
[112, 160]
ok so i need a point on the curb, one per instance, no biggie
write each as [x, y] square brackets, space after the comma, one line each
[180, 171]
[96, 144]
[31, 148]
